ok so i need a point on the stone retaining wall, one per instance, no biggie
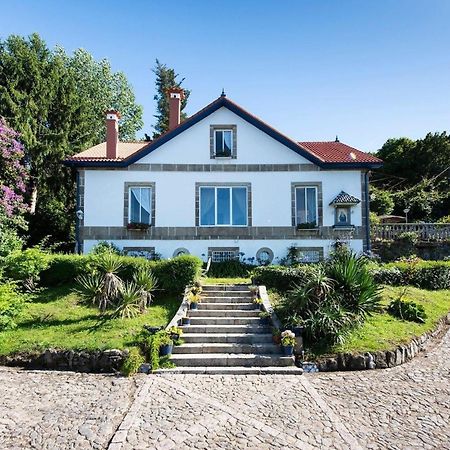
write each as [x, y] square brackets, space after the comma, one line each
[381, 359]
[105, 361]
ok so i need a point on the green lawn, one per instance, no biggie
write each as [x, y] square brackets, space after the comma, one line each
[56, 318]
[382, 331]
[226, 281]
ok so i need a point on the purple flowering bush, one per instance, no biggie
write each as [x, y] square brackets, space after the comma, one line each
[13, 177]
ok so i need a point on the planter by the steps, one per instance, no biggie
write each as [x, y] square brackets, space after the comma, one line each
[166, 350]
[193, 305]
[288, 350]
[186, 321]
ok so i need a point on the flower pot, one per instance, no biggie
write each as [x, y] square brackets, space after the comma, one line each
[298, 330]
[166, 350]
[264, 320]
[193, 305]
[186, 320]
[288, 350]
[174, 337]
[276, 340]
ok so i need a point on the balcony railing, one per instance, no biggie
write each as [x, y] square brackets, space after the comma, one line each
[425, 231]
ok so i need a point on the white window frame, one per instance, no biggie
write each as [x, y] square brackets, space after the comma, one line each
[231, 149]
[306, 206]
[215, 206]
[129, 202]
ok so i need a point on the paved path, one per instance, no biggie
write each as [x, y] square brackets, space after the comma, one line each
[407, 407]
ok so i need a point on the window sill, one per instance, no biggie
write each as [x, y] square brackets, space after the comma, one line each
[222, 157]
[138, 227]
[344, 227]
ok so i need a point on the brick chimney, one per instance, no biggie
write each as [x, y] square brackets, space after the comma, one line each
[176, 95]
[112, 133]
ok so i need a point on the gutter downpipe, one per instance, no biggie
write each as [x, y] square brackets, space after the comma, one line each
[77, 221]
[366, 188]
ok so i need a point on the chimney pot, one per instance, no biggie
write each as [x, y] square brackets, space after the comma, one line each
[112, 133]
[176, 95]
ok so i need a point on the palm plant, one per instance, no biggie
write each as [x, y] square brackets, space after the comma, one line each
[108, 265]
[90, 288]
[146, 282]
[129, 301]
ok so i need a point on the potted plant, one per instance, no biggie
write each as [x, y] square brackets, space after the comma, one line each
[165, 345]
[175, 333]
[185, 321]
[276, 336]
[193, 300]
[307, 226]
[196, 289]
[264, 317]
[258, 303]
[287, 342]
[254, 290]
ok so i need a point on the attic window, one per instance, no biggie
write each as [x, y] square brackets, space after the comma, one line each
[223, 141]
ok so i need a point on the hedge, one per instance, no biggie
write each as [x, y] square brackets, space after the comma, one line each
[431, 275]
[172, 274]
[281, 278]
[229, 269]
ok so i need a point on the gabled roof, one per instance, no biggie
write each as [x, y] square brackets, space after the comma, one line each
[92, 157]
[98, 152]
[345, 199]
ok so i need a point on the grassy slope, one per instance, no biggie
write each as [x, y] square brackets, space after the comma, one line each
[55, 318]
[382, 331]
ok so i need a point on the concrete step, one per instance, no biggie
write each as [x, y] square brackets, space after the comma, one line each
[226, 287]
[226, 294]
[221, 347]
[221, 306]
[224, 313]
[233, 338]
[226, 329]
[292, 370]
[230, 320]
[229, 360]
[224, 299]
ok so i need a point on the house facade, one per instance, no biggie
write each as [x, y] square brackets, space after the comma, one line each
[222, 184]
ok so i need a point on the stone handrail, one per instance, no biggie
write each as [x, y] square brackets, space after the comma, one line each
[425, 231]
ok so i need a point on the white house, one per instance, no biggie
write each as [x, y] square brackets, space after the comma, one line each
[222, 184]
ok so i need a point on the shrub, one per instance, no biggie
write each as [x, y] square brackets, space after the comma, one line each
[64, 269]
[146, 282]
[229, 269]
[281, 278]
[105, 246]
[407, 311]
[132, 362]
[129, 301]
[408, 237]
[9, 242]
[11, 302]
[26, 266]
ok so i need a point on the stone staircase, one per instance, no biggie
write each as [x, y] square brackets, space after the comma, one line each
[226, 336]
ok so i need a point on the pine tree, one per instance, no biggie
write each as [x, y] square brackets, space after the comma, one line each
[166, 78]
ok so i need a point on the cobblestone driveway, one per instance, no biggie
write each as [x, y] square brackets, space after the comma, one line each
[407, 407]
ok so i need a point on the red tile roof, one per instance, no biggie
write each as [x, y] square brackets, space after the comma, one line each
[337, 152]
[98, 152]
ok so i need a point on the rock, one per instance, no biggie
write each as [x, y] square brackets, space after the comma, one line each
[370, 362]
[382, 359]
[358, 362]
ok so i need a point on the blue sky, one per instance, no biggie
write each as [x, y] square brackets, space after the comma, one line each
[365, 70]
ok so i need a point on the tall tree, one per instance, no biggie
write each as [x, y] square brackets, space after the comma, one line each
[166, 78]
[57, 103]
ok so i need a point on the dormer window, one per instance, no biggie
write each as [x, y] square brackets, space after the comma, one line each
[223, 141]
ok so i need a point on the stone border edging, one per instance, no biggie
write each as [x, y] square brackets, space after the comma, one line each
[381, 359]
[87, 361]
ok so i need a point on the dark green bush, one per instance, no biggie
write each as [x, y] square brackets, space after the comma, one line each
[11, 302]
[63, 269]
[281, 278]
[430, 275]
[407, 311]
[132, 362]
[229, 269]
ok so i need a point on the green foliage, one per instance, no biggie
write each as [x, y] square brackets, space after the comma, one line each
[26, 266]
[407, 311]
[147, 283]
[156, 342]
[166, 78]
[281, 278]
[57, 103]
[132, 362]
[129, 302]
[444, 219]
[334, 298]
[229, 269]
[430, 275]
[381, 201]
[408, 237]
[90, 288]
[104, 246]
[64, 269]
[11, 303]
[9, 240]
